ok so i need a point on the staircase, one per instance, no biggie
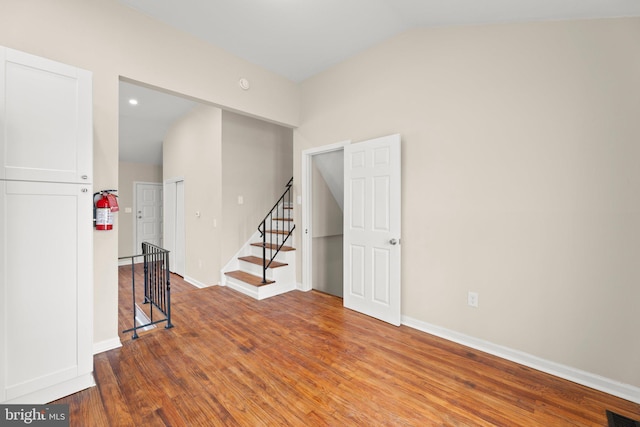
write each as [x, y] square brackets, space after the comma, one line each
[265, 265]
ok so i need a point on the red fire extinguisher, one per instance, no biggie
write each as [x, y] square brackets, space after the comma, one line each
[104, 217]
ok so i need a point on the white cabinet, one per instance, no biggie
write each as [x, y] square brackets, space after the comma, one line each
[46, 248]
[46, 285]
[46, 120]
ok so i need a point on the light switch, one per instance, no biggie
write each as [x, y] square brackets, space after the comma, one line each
[127, 210]
[240, 200]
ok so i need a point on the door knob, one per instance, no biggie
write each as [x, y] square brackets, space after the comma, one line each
[393, 241]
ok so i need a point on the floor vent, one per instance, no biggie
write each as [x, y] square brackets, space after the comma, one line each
[617, 420]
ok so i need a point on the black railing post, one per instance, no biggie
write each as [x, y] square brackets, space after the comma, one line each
[168, 290]
[133, 291]
[264, 250]
[157, 285]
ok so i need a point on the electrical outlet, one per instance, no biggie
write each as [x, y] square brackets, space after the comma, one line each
[472, 299]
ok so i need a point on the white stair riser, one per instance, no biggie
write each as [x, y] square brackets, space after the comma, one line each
[280, 225]
[261, 292]
[277, 239]
[282, 256]
[277, 274]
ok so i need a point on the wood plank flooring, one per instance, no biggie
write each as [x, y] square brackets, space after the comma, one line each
[301, 359]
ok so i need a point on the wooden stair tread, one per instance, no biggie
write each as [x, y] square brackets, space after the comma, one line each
[258, 261]
[248, 278]
[283, 232]
[274, 246]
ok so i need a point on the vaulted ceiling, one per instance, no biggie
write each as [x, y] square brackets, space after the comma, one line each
[300, 38]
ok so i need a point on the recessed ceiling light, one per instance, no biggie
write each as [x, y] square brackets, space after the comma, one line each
[133, 101]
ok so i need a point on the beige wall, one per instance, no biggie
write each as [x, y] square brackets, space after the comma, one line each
[192, 150]
[257, 164]
[223, 155]
[520, 179]
[519, 152]
[112, 40]
[129, 173]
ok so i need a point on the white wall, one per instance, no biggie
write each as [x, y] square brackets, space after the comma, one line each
[223, 155]
[114, 41]
[520, 179]
[128, 173]
[192, 150]
[257, 164]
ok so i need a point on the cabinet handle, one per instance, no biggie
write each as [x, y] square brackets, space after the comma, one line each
[84, 190]
[84, 177]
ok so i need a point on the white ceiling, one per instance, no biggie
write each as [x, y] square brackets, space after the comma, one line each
[300, 38]
[142, 127]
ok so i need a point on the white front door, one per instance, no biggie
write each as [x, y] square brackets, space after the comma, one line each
[148, 214]
[372, 228]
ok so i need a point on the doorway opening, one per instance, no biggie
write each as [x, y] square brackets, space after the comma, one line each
[323, 184]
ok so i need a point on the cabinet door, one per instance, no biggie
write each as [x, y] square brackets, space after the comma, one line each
[45, 120]
[45, 286]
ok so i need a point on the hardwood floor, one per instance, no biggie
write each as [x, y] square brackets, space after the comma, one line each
[301, 359]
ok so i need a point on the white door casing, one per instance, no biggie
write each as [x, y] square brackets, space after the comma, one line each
[179, 257]
[174, 226]
[307, 209]
[148, 209]
[372, 228]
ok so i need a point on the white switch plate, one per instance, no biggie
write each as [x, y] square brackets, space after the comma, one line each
[240, 200]
[472, 299]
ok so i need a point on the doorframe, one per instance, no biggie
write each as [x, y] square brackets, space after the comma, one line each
[135, 212]
[165, 201]
[307, 209]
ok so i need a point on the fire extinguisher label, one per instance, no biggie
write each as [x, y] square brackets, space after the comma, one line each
[104, 219]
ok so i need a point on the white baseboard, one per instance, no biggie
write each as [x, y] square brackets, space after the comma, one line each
[110, 344]
[55, 392]
[195, 282]
[127, 261]
[597, 382]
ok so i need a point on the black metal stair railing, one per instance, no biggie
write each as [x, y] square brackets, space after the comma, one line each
[281, 226]
[157, 287]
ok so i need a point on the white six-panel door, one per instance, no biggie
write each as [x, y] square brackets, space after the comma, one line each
[148, 214]
[372, 228]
